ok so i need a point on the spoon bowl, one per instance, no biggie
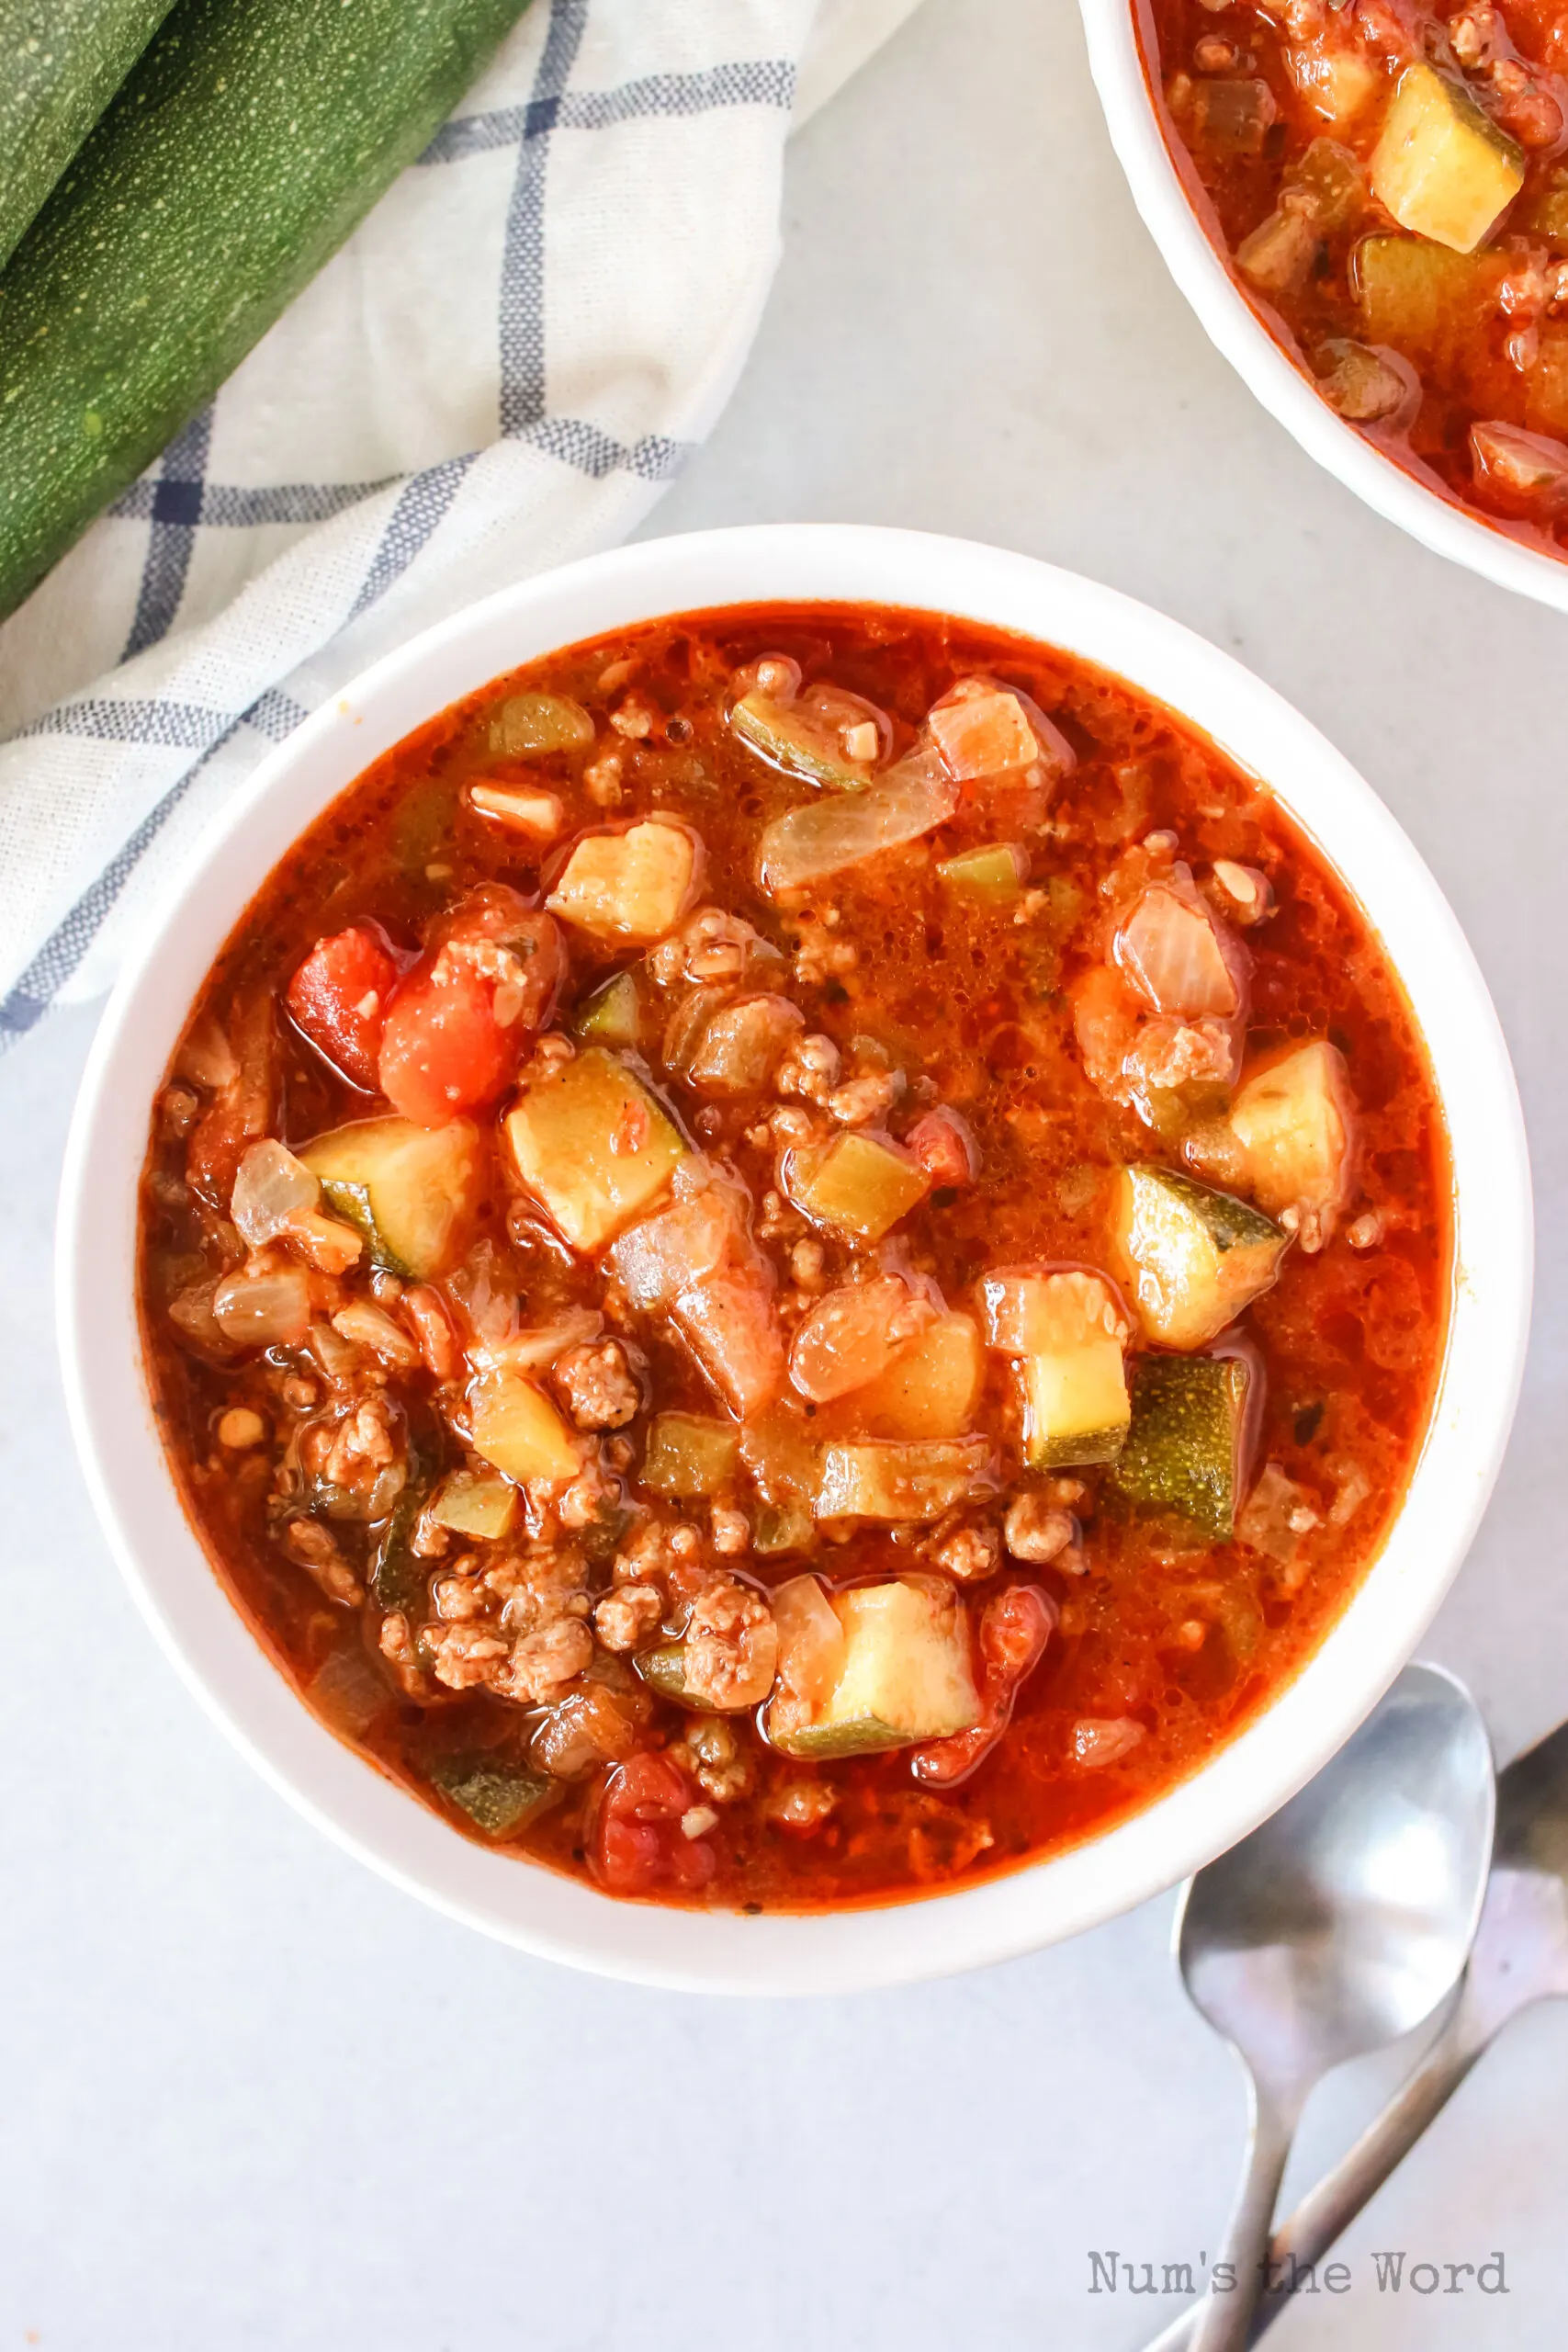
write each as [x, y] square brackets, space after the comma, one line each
[1335, 1928]
[1341, 1922]
[1519, 1956]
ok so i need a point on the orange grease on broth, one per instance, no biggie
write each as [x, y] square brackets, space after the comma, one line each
[1352, 1343]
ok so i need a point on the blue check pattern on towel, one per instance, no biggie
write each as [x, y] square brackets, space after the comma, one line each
[499, 371]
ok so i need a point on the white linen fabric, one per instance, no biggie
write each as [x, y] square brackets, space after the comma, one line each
[501, 370]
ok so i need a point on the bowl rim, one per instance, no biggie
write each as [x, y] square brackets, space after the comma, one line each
[227, 1667]
[1116, 57]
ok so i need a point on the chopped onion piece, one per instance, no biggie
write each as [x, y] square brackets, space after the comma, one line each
[777, 676]
[825, 836]
[263, 1310]
[537, 813]
[371, 1327]
[206, 1057]
[661, 1258]
[338, 1357]
[1101, 1740]
[698, 1263]
[811, 1649]
[742, 1044]
[270, 1187]
[851, 1337]
[1278, 1514]
[1171, 951]
[984, 729]
[537, 1349]
[1524, 474]
[325, 1242]
[843, 715]
[191, 1313]
[482, 1286]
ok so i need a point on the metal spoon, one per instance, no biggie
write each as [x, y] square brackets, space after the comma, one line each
[1335, 1928]
[1519, 1956]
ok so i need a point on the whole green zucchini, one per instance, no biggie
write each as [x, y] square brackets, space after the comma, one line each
[61, 62]
[253, 137]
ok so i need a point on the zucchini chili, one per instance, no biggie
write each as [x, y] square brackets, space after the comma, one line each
[796, 1256]
[1388, 181]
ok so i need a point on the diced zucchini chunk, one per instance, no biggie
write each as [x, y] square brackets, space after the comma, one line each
[1293, 1122]
[515, 1427]
[1425, 300]
[472, 1503]
[1182, 1451]
[690, 1453]
[400, 1577]
[663, 1669]
[781, 1528]
[1546, 213]
[1076, 1406]
[409, 1190]
[349, 1690]
[906, 1675]
[1068, 1333]
[886, 1480]
[592, 1145]
[929, 1390]
[993, 876]
[1333, 177]
[799, 742]
[1192, 1258]
[498, 1796]
[628, 886]
[1278, 255]
[857, 1185]
[613, 1014]
[782, 1456]
[528, 727]
[1441, 166]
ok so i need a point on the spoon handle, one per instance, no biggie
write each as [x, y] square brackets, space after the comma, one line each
[1329, 2209]
[1223, 2321]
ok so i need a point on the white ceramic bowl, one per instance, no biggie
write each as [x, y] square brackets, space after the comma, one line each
[1118, 35]
[187, 1607]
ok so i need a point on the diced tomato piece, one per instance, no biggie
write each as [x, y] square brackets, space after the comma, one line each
[945, 1149]
[443, 1050]
[496, 912]
[638, 1843]
[338, 998]
[457, 1027]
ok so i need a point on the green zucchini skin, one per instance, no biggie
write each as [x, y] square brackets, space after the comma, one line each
[253, 137]
[1182, 1450]
[61, 62]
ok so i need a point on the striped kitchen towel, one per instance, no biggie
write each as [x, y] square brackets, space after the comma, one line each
[499, 371]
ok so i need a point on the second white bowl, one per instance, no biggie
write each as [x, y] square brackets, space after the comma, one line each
[1120, 41]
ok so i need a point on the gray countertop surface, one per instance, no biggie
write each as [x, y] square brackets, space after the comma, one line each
[253, 2096]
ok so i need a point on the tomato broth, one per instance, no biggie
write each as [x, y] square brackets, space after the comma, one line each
[797, 1256]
